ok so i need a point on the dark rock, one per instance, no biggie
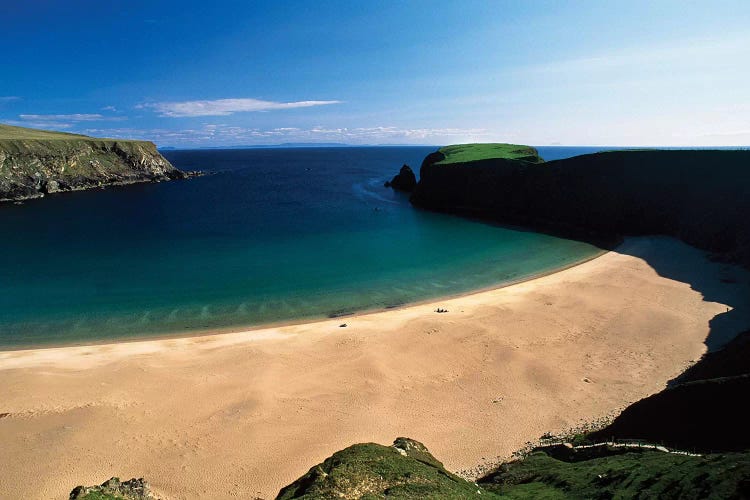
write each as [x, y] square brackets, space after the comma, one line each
[698, 196]
[134, 489]
[405, 180]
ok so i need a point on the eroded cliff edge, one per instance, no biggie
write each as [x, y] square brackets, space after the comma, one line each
[36, 162]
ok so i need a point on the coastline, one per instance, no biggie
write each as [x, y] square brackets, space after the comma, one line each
[209, 332]
[242, 414]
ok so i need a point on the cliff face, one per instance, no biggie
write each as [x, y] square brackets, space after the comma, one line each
[32, 165]
[701, 197]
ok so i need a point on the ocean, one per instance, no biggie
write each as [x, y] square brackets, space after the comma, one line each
[268, 235]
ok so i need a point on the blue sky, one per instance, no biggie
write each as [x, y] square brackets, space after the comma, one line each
[420, 72]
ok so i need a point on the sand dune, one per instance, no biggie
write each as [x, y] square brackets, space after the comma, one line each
[242, 414]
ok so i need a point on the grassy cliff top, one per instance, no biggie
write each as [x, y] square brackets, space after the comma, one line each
[462, 153]
[8, 132]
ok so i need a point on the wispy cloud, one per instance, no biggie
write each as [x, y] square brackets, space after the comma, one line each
[223, 107]
[9, 98]
[695, 52]
[48, 125]
[76, 117]
[229, 135]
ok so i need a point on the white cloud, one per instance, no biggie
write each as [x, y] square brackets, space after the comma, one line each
[9, 98]
[228, 135]
[695, 53]
[76, 117]
[223, 107]
[48, 125]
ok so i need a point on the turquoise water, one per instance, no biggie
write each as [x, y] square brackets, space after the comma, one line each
[271, 235]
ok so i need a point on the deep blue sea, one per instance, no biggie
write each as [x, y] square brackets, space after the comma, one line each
[269, 235]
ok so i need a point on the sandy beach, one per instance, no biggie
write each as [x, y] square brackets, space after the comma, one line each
[242, 414]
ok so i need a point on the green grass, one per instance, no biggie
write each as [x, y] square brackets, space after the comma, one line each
[644, 474]
[462, 153]
[370, 471]
[11, 133]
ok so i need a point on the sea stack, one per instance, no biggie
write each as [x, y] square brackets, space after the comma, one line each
[405, 180]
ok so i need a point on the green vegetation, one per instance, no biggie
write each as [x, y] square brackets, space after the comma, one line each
[11, 133]
[462, 153]
[405, 470]
[98, 495]
[37, 162]
[113, 489]
[370, 471]
[640, 474]
[21, 133]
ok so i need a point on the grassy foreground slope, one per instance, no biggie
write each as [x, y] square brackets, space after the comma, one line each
[38, 162]
[407, 470]
[612, 474]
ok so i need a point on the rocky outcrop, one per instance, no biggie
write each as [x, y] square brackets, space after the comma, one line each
[405, 180]
[134, 489]
[699, 196]
[32, 167]
[404, 470]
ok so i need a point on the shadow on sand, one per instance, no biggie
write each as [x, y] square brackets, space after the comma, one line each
[716, 281]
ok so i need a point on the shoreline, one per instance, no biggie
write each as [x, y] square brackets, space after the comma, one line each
[243, 414]
[200, 333]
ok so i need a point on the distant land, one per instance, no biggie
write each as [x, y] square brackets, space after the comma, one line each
[35, 162]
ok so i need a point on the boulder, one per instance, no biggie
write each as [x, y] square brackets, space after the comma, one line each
[134, 489]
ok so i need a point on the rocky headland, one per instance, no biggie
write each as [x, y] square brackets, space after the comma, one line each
[698, 196]
[34, 163]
